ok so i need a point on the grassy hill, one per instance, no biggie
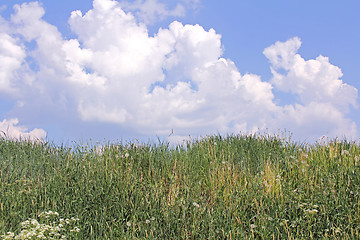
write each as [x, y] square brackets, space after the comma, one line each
[234, 187]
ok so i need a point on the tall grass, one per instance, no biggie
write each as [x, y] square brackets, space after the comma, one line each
[233, 187]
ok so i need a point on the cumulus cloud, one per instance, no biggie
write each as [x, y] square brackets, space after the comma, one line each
[316, 119]
[324, 98]
[113, 72]
[11, 130]
[312, 80]
[11, 58]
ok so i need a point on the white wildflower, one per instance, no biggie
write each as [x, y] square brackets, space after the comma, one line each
[345, 152]
[75, 229]
[311, 211]
[32, 229]
[196, 204]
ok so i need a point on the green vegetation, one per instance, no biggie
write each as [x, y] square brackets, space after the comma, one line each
[234, 187]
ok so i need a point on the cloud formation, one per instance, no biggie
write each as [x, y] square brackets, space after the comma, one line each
[315, 80]
[114, 72]
[10, 130]
[324, 98]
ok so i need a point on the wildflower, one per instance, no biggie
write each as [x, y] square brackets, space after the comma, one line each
[252, 226]
[32, 229]
[152, 218]
[304, 155]
[278, 178]
[9, 235]
[311, 211]
[147, 221]
[34, 222]
[126, 155]
[41, 236]
[314, 211]
[48, 214]
[25, 224]
[345, 152]
[128, 224]
[75, 219]
[99, 150]
[196, 204]
[76, 229]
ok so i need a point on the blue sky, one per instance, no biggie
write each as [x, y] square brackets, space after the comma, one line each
[147, 68]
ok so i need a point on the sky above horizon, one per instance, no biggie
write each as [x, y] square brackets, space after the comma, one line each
[146, 69]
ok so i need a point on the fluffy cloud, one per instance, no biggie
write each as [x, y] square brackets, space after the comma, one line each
[324, 98]
[11, 130]
[11, 58]
[315, 80]
[113, 72]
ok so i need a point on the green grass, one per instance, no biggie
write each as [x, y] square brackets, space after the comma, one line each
[234, 187]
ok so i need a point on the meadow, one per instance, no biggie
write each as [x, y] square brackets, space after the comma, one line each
[217, 187]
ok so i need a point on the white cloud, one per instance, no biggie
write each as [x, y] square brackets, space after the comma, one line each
[316, 119]
[114, 72]
[11, 58]
[10, 129]
[325, 99]
[193, 47]
[312, 80]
